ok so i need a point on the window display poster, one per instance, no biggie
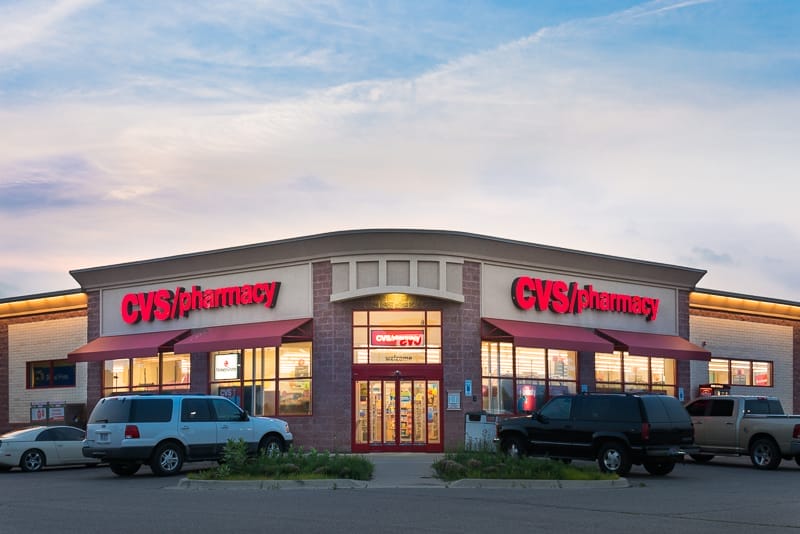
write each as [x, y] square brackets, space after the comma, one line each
[232, 394]
[226, 366]
[453, 400]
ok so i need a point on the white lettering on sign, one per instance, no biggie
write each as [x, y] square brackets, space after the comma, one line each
[398, 338]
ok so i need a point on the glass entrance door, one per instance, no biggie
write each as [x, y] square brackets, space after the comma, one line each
[397, 414]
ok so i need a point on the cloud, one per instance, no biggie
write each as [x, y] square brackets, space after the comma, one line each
[48, 183]
[708, 256]
[29, 23]
[236, 124]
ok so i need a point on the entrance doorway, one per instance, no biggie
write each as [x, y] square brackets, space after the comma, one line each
[397, 414]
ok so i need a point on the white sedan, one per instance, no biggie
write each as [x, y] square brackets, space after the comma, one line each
[32, 448]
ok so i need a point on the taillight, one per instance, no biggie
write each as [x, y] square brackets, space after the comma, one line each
[131, 432]
[796, 432]
[645, 431]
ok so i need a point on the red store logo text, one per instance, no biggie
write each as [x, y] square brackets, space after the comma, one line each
[166, 304]
[559, 297]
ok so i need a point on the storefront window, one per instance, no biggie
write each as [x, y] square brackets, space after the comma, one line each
[521, 379]
[51, 374]
[397, 337]
[163, 373]
[719, 371]
[740, 372]
[621, 371]
[145, 374]
[266, 381]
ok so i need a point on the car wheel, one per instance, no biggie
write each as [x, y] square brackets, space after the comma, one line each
[702, 458]
[797, 459]
[659, 468]
[167, 459]
[271, 446]
[125, 469]
[613, 457]
[513, 445]
[32, 460]
[764, 454]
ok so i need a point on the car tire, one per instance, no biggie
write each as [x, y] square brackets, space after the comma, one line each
[702, 458]
[167, 459]
[764, 454]
[659, 467]
[125, 469]
[513, 445]
[32, 460]
[271, 446]
[613, 457]
[797, 459]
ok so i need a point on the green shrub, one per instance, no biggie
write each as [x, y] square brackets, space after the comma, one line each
[489, 464]
[294, 464]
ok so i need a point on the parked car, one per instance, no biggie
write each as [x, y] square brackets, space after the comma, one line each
[738, 425]
[33, 448]
[617, 430]
[164, 431]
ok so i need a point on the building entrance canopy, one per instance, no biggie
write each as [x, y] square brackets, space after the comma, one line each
[544, 335]
[128, 346]
[658, 345]
[242, 336]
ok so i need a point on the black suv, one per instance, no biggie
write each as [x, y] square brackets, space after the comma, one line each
[618, 430]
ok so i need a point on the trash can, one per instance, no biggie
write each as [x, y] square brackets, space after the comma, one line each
[480, 431]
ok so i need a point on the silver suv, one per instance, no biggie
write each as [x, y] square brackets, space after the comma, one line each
[164, 431]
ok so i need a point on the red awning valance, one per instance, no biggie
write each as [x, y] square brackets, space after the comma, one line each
[658, 345]
[129, 346]
[544, 335]
[243, 336]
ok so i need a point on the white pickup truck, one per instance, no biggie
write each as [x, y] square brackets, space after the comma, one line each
[738, 425]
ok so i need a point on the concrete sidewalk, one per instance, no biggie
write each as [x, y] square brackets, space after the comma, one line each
[400, 470]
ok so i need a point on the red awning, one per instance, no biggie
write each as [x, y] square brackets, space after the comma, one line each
[242, 336]
[549, 336]
[659, 345]
[129, 346]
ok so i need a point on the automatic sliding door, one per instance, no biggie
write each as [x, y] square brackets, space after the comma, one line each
[393, 413]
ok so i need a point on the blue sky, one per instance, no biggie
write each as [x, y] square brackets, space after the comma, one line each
[665, 130]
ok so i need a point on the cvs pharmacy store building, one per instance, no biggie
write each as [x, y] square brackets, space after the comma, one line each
[384, 340]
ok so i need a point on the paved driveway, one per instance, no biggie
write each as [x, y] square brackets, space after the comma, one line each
[726, 496]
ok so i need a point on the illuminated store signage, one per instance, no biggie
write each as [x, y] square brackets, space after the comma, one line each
[226, 366]
[166, 304]
[397, 338]
[558, 296]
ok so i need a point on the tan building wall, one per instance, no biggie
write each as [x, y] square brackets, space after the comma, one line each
[38, 341]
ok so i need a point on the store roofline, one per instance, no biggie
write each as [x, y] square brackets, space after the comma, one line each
[726, 301]
[318, 247]
[39, 303]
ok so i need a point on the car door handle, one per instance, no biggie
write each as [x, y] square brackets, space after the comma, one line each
[224, 426]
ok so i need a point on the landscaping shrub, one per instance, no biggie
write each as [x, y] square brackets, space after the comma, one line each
[294, 464]
[489, 464]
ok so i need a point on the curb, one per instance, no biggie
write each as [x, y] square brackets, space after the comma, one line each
[261, 485]
[338, 483]
[538, 484]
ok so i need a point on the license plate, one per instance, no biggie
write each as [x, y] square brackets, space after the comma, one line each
[105, 437]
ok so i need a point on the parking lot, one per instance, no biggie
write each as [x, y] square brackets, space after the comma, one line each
[727, 495]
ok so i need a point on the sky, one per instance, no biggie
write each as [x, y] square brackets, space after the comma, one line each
[666, 131]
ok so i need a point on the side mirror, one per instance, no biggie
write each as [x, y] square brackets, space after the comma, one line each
[243, 416]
